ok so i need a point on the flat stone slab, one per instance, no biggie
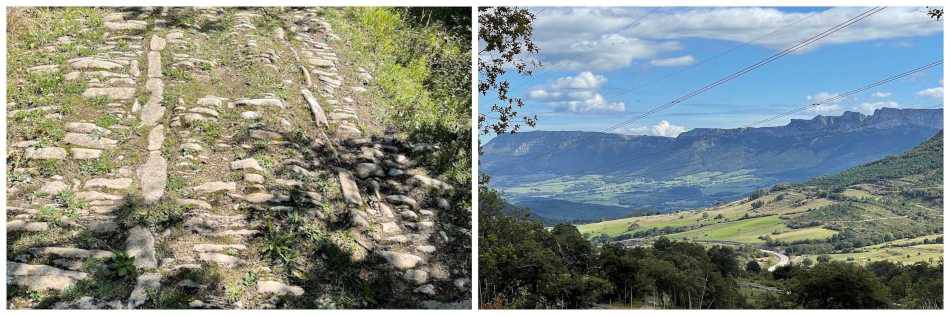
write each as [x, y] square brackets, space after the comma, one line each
[217, 186]
[156, 137]
[401, 260]
[68, 252]
[115, 184]
[319, 116]
[261, 102]
[259, 197]
[154, 63]
[402, 199]
[97, 196]
[41, 277]
[277, 288]
[89, 141]
[156, 43]
[115, 93]
[86, 128]
[351, 193]
[220, 259]
[24, 226]
[46, 153]
[249, 163]
[53, 187]
[195, 203]
[131, 25]
[144, 283]
[141, 245]
[218, 247]
[154, 176]
[93, 63]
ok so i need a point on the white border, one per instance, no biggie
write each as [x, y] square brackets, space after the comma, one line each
[474, 3]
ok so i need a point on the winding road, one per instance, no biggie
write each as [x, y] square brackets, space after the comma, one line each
[782, 259]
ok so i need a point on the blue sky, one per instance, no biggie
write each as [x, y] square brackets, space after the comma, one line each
[602, 66]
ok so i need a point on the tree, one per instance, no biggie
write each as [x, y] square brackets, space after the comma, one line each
[506, 35]
[753, 267]
[824, 259]
[838, 285]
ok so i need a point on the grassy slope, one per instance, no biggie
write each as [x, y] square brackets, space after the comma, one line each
[864, 186]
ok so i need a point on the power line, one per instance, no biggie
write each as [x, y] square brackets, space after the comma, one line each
[752, 67]
[717, 56]
[841, 96]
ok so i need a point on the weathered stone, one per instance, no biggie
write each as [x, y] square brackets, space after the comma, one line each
[90, 141]
[402, 199]
[265, 135]
[426, 289]
[131, 25]
[417, 276]
[24, 226]
[426, 248]
[211, 100]
[391, 228]
[259, 197]
[41, 277]
[401, 260]
[156, 43]
[195, 203]
[154, 177]
[432, 183]
[93, 63]
[97, 196]
[253, 178]
[438, 271]
[244, 164]
[218, 248]
[53, 187]
[250, 115]
[145, 283]
[44, 69]
[156, 137]
[68, 252]
[351, 193]
[220, 259]
[343, 116]
[277, 288]
[141, 245]
[319, 116]
[153, 111]
[204, 111]
[154, 64]
[86, 128]
[47, 153]
[216, 186]
[115, 184]
[115, 93]
[261, 102]
[366, 169]
[346, 131]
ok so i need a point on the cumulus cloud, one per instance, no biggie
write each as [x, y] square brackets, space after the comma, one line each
[881, 94]
[608, 38]
[663, 128]
[869, 107]
[932, 92]
[576, 94]
[674, 62]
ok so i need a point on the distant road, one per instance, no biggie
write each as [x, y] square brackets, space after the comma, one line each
[782, 259]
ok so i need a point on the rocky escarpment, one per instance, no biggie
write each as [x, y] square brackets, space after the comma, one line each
[237, 172]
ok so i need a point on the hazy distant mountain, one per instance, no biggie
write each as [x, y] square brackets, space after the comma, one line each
[624, 170]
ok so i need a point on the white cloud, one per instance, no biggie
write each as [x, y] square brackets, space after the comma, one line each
[663, 128]
[829, 108]
[932, 92]
[607, 38]
[577, 94]
[674, 62]
[881, 94]
[869, 107]
[584, 80]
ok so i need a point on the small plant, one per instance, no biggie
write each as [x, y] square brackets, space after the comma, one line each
[100, 101]
[101, 165]
[107, 120]
[123, 265]
[233, 292]
[250, 278]
[176, 184]
[68, 200]
[210, 131]
[279, 245]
